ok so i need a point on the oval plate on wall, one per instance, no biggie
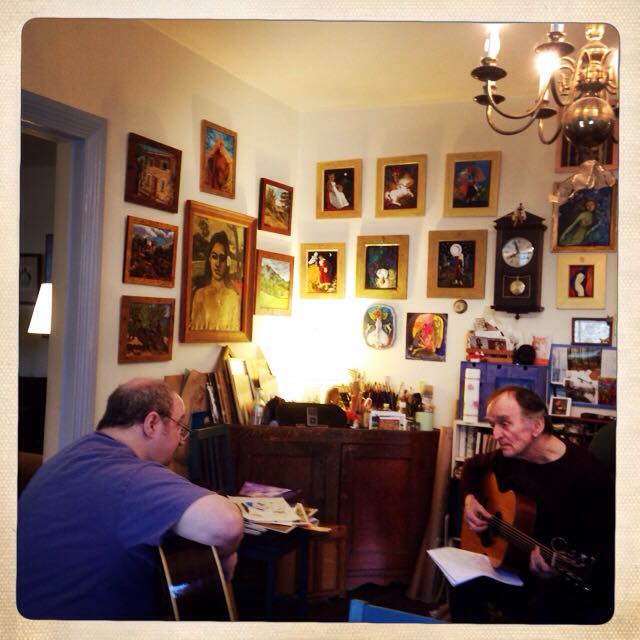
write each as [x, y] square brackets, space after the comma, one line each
[379, 326]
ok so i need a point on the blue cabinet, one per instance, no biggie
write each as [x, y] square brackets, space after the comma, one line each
[494, 375]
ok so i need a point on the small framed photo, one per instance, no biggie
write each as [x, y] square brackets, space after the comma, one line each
[381, 269]
[29, 277]
[471, 184]
[400, 186]
[274, 279]
[456, 264]
[581, 280]
[150, 252]
[274, 210]
[585, 222]
[426, 337]
[559, 406]
[146, 329]
[218, 159]
[339, 189]
[591, 331]
[153, 174]
[569, 157]
[322, 270]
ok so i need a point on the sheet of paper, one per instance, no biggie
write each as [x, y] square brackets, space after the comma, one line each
[266, 509]
[460, 566]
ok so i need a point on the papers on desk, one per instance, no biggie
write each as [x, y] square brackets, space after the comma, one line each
[460, 566]
[275, 514]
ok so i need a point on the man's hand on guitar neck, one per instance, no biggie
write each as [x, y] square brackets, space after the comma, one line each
[475, 514]
[538, 566]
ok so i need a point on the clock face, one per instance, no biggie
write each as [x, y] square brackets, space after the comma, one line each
[517, 252]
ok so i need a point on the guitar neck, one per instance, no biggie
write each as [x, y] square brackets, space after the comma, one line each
[519, 539]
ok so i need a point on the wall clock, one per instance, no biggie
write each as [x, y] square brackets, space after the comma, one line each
[518, 267]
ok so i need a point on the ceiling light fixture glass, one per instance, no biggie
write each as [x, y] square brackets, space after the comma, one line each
[584, 89]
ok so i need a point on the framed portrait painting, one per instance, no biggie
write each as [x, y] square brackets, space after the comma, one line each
[29, 277]
[381, 269]
[426, 337]
[559, 406]
[400, 186]
[274, 278]
[586, 221]
[274, 210]
[150, 252]
[218, 275]
[153, 174]
[456, 264]
[339, 189]
[146, 329]
[322, 270]
[581, 280]
[218, 159]
[471, 184]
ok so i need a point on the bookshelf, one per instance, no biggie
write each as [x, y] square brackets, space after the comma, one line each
[469, 438]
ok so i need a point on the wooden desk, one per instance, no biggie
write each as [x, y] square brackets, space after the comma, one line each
[378, 483]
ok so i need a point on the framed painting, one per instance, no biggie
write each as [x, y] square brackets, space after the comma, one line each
[592, 331]
[569, 157]
[400, 186]
[456, 264]
[218, 159]
[29, 277]
[559, 406]
[274, 278]
[153, 174]
[150, 252]
[471, 184]
[274, 210]
[426, 337]
[322, 270]
[379, 326]
[381, 269]
[218, 275]
[586, 221]
[146, 329]
[581, 280]
[339, 189]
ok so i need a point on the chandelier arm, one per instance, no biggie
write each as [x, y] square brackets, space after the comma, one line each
[557, 95]
[530, 113]
[505, 132]
[553, 138]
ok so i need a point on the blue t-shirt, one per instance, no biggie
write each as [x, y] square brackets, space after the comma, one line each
[89, 522]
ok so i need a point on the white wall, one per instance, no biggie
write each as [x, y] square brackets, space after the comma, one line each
[143, 82]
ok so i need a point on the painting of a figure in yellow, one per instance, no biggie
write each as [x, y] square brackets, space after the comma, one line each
[426, 336]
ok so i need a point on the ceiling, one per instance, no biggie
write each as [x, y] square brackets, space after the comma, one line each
[312, 65]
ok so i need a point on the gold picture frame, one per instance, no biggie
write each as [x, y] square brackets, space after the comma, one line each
[322, 270]
[339, 189]
[471, 184]
[456, 263]
[274, 283]
[382, 266]
[581, 280]
[401, 186]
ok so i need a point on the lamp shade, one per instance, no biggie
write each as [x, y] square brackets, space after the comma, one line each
[41, 318]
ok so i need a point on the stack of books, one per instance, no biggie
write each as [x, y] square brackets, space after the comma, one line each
[274, 514]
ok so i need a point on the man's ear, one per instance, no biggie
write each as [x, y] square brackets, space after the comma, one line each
[538, 426]
[151, 424]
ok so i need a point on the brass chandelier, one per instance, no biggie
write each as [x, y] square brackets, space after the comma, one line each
[584, 89]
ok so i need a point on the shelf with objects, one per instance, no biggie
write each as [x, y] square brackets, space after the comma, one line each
[469, 438]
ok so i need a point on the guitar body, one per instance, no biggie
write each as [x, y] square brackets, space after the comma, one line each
[508, 507]
[195, 581]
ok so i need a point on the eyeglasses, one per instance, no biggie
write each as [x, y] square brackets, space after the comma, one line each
[218, 257]
[185, 431]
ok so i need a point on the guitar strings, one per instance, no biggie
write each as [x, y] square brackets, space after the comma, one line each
[518, 536]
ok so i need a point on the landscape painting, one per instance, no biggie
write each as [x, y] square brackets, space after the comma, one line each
[276, 201]
[274, 277]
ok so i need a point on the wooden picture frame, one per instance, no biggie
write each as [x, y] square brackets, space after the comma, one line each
[218, 159]
[426, 336]
[456, 264]
[581, 280]
[275, 207]
[592, 331]
[401, 186]
[559, 406]
[339, 189]
[146, 329]
[29, 277]
[274, 283]
[322, 270]
[150, 252]
[153, 174]
[568, 157]
[382, 267]
[217, 281]
[472, 181]
[587, 221]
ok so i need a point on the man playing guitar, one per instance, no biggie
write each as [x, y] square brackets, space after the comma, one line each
[574, 502]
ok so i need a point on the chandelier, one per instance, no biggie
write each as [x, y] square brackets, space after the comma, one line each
[584, 89]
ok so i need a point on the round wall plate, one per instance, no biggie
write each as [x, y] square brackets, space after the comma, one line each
[460, 306]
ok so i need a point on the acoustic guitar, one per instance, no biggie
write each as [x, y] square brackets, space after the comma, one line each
[507, 540]
[195, 581]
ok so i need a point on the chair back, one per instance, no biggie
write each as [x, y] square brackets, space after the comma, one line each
[361, 611]
[211, 462]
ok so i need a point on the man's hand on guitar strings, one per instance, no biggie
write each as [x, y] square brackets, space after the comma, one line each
[475, 514]
[538, 566]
